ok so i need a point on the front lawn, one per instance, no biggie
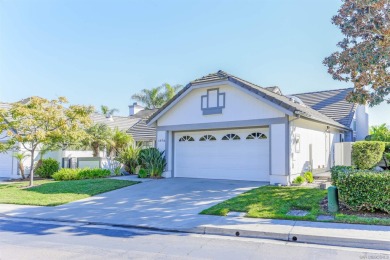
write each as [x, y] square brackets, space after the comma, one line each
[53, 193]
[274, 203]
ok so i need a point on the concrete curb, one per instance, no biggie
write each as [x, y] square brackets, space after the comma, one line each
[341, 241]
[299, 237]
[240, 231]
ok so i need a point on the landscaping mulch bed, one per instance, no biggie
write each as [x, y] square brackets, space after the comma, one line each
[344, 210]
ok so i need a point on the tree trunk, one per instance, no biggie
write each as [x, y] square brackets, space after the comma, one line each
[95, 149]
[21, 168]
[32, 169]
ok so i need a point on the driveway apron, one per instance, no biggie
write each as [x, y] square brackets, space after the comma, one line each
[163, 204]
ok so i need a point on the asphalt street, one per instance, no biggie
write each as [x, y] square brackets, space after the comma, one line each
[25, 239]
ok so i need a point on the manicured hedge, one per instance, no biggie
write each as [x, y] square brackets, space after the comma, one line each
[47, 168]
[387, 152]
[366, 155]
[66, 174]
[387, 147]
[362, 190]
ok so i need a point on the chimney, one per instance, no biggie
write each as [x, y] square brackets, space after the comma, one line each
[135, 108]
[109, 117]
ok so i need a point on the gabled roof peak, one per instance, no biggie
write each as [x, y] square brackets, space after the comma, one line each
[219, 75]
[280, 100]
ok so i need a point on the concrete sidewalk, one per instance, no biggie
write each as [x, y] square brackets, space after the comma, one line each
[335, 234]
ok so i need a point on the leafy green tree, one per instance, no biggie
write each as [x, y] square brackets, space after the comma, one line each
[98, 137]
[379, 133]
[105, 110]
[364, 58]
[39, 121]
[156, 97]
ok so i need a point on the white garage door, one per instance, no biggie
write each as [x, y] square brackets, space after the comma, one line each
[6, 169]
[236, 154]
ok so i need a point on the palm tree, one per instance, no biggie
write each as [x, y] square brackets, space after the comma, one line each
[99, 137]
[379, 133]
[151, 98]
[107, 111]
[170, 91]
[155, 98]
[119, 141]
[20, 157]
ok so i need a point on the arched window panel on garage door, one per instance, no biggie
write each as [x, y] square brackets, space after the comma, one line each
[186, 138]
[231, 137]
[256, 135]
[207, 138]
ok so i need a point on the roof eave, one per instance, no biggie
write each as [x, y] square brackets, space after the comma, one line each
[306, 116]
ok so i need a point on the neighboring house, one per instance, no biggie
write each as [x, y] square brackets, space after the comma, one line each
[8, 164]
[333, 104]
[224, 127]
[140, 131]
[134, 124]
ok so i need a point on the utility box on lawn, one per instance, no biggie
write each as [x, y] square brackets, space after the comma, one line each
[333, 199]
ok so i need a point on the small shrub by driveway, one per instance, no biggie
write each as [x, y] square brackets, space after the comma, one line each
[66, 174]
[53, 193]
[275, 202]
[47, 168]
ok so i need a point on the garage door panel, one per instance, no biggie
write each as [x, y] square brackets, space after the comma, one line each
[223, 159]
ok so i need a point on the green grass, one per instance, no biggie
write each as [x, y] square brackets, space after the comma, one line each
[344, 218]
[274, 203]
[53, 193]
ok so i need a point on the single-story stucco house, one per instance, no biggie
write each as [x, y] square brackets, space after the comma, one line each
[222, 127]
[134, 124]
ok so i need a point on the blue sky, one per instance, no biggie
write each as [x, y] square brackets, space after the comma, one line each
[101, 52]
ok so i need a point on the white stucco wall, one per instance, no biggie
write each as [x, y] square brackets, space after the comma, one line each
[160, 140]
[238, 106]
[362, 122]
[313, 139]
[279, 154]
[8, 164]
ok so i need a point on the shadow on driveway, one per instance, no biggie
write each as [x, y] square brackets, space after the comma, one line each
[164, 204]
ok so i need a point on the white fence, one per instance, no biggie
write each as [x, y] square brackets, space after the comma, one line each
[343, 154]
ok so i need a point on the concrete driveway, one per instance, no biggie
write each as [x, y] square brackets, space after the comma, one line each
[165, 204]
